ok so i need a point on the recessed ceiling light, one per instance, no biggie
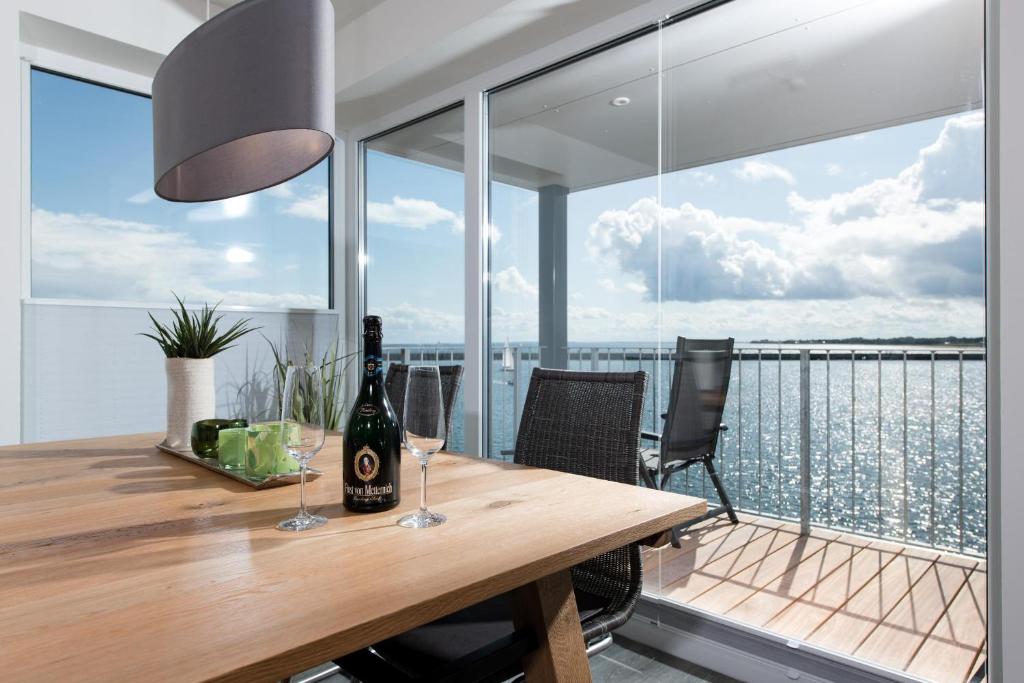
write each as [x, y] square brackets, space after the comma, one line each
[239, 255]
[620, 102]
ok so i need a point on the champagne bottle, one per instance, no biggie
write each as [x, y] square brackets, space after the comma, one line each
[372, 445]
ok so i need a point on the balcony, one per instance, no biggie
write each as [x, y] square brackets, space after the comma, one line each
[904, 608]
[861, 474]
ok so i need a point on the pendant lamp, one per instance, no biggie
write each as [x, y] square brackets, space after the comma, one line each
[246, 101]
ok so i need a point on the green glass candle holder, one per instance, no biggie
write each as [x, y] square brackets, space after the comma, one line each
[205, 435]
[265, 452]
[231, 445]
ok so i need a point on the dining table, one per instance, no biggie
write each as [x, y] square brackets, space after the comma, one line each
[119, 562]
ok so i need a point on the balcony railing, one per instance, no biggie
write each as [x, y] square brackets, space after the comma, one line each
[882, 441]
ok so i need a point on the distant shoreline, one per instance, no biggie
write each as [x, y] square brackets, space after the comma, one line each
[887, 341]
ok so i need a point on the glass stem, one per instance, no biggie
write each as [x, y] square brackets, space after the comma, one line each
[423, 486]
[302, 489]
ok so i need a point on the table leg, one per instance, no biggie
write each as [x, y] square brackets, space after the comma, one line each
[548, 607]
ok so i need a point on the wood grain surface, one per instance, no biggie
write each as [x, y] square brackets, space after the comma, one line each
[901, 607]
[119, 562]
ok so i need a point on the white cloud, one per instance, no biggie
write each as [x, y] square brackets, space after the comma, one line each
[459, 226]
[702, 177]
[756, 170]
[833, 169]
[409, 322]
[918, 234]
[314, 205]
[144, 196]
[511, 281]
[417, 214]
[589, 313]
[613, 286]
[282, 191]
[223, 210]
[95, 257]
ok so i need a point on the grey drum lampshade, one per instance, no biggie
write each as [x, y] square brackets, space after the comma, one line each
[246, 101]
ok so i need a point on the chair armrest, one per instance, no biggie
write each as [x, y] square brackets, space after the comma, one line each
[650, 436]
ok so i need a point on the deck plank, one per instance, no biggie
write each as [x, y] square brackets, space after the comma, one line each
[895, 641]
[712, 573]
[818, 604]
[720, 542]
[952, 648]
[746, 583]
[764, 605]
[851, 624]
[897, 606]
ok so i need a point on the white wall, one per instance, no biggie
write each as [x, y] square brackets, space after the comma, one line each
[87, 372]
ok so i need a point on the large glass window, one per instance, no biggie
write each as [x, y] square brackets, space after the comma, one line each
[100, 233]
[808, 179]
[414, 191]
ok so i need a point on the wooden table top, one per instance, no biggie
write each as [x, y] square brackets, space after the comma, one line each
[119, 562]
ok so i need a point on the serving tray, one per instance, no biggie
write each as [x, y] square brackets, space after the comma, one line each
[271, 481]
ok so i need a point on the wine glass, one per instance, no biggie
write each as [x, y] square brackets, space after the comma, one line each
[302, 432]
[425, 431]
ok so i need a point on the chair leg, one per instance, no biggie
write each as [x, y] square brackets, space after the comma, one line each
[722, 495]
[645, 474]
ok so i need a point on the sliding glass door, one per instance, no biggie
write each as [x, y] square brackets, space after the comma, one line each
[808, 179]
[414, 190]
[566, 148]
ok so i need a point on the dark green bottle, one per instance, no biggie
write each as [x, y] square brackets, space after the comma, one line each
[371, 455]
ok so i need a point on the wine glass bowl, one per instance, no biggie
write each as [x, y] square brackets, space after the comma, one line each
[303, 433]
[424, 432]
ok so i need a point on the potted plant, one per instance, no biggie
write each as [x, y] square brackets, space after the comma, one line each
[332, 367]
[189, 344]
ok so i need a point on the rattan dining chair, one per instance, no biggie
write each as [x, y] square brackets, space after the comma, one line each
[585, 423]
[693, 423]
[398, 376]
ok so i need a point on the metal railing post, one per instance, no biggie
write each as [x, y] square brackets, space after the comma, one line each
[516, 362]
[594, 355]
[805, 441]
[405, 356]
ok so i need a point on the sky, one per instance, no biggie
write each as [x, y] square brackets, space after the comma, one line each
[99, 232]
[879, 234]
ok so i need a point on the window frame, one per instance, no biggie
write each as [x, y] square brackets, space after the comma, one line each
[130, 84]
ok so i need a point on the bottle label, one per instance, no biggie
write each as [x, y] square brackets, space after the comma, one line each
[367, 464]
[372, 365]
[368, 409]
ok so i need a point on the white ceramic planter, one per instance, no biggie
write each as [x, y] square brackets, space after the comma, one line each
[191, 396]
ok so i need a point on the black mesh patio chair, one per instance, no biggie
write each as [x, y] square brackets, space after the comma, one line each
[398, 376]
[693, 423]
[585, 423]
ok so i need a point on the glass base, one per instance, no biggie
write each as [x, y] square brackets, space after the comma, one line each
[302, 522]
[422, 520]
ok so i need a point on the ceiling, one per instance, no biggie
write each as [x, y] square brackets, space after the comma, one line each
[406, 50]
[345, 11]
[738, 80]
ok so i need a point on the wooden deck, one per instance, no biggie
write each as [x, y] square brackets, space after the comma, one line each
[904, 608]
